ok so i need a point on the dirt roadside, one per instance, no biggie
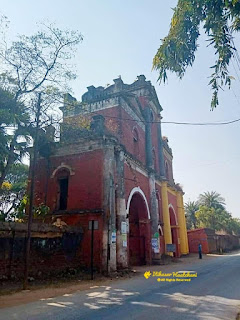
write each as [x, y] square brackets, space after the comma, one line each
[71, 286]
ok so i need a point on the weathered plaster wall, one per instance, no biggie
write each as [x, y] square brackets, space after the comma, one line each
[85, 185]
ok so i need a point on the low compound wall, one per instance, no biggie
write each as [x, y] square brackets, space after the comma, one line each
[211, 241]
[53, 249]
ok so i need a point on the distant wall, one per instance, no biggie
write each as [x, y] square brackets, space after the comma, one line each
[210, 241]
[227, 242]
[195, 237]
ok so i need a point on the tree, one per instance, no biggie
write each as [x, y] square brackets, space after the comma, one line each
[13, 126]
[212, 200]
[210, 212]
[31, 65]
[214, 218]
[220, 20]
[6, 104]
[13, 191]
[207, 218]
[36, 66]
[191, 207]
[235, 226]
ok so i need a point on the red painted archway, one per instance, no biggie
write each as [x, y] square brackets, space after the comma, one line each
[139, 231]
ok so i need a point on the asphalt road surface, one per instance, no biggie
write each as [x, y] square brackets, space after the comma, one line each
[214, 294]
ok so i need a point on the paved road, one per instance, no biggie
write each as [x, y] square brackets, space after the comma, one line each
[214, 294]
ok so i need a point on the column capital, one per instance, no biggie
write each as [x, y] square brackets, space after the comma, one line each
[164, 184]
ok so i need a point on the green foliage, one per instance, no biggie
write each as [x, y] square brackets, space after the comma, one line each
[20, 212]
[39, 211]
[210, 212]
[18, 175]
[212, 200]
[46, 147]
[234, 225]
[32, 65]
[12, 118]
[220, 19]
[191, 207]
[13, 191]
[209, 217]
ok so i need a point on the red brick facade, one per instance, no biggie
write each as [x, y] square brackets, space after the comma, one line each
[111, 170]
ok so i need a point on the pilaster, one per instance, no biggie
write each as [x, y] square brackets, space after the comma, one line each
[166, 218]
[182, 224]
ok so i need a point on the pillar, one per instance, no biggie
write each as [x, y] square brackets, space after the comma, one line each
[148, 138]
[122, 250]
[160, 150]
[166, 218]
[109, 218]
[156, 256]
[182, 224]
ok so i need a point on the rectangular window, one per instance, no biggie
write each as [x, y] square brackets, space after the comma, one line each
[63, 186]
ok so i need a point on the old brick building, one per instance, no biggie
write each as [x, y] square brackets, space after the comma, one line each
[113, 166]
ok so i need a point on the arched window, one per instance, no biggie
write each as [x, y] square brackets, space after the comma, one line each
[160, 230]
[62, 177]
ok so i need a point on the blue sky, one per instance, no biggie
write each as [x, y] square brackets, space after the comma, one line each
[121, 38]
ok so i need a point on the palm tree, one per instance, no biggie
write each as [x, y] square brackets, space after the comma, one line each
[212, 200]
[191, 207]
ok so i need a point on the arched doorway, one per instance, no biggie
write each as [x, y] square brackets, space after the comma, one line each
[139, 229]
[174, 229]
